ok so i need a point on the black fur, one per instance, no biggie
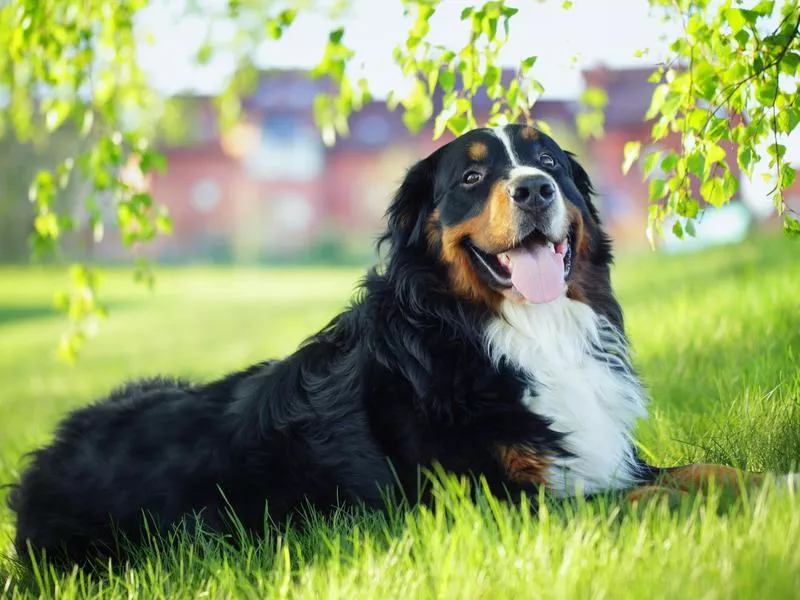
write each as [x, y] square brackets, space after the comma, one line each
[398, 381]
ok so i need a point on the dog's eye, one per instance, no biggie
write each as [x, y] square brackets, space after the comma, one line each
[547, 161]
[472, 177]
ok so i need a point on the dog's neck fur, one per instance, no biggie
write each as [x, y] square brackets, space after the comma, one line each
[581, 380]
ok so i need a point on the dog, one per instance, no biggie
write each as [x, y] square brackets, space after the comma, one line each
[488, 342]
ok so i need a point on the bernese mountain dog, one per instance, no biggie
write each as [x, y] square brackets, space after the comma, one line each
[487, 343]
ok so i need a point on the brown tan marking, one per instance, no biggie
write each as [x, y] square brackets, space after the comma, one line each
[649, 493]
[529, 134]
[700, 477]
[576, 288]
[477, 151]
[523, 465]
[579, 232]
[679, 482]
[493, 230]
[432, 232]
[589, 282]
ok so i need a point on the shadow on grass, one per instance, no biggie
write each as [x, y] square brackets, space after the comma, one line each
[15, 313]
[194, 555]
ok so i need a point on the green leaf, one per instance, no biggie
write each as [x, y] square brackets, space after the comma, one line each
[714, 153]
[787, 119]
[163, 221]
[669, 162]
[730, 185]
[335, 36]
[274, 31]
[631, 154]
[742, 37]
[458, 125]
[713, 191]
[657, 189]
[776, 41]
[696, 164]
[528, 63]
[735, 19]
[697, 118]
[691, 207]
[489, 27]
[153, 161]
[655, 76]
[594, 97]
[287, 17]
[767, 90]
[790, 62]
[650, 162]
[746, 158]
[590, 124]
[695, 26]
[204, 53]
[763, 8]
[677, 229]
[776, 151]
[660, 129]
[492, 76]
[419, 107]
[433, 77]
[788, 174]
[447, 80]
[440, 124]
[46, 225]
[56, 115]
[657, 100]
[706, 80]
[672, 103]
[791, 226]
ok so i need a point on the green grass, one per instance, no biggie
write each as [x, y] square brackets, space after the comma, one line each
[716, 338]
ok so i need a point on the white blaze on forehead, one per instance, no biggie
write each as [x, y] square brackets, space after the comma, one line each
[517, 168]
[526, 171]
[501, 134]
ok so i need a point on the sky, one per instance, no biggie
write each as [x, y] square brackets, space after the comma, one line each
[566, 41]
[591, 32]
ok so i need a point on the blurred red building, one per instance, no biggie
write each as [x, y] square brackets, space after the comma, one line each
[271, 190]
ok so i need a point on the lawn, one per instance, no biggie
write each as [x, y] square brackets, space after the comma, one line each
[716, 338]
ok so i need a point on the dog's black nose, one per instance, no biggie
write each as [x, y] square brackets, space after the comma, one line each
[533, 192]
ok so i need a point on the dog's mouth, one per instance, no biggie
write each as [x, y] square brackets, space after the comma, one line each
[537, 268]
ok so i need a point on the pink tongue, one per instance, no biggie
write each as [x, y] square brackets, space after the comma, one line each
[537, 273]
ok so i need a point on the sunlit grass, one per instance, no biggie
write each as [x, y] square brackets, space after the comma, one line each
[716, 338]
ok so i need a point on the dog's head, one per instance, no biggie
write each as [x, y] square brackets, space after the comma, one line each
[509, 215]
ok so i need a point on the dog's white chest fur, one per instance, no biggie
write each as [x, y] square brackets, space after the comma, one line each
[582, 382]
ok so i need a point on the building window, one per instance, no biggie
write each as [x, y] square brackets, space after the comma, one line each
[293, 212]
[284, 128]
[290, 149]
[372, 130]
[205, 195]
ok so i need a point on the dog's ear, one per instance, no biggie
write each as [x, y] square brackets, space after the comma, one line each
[581, 180]
[597, 285]
[411, 207]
